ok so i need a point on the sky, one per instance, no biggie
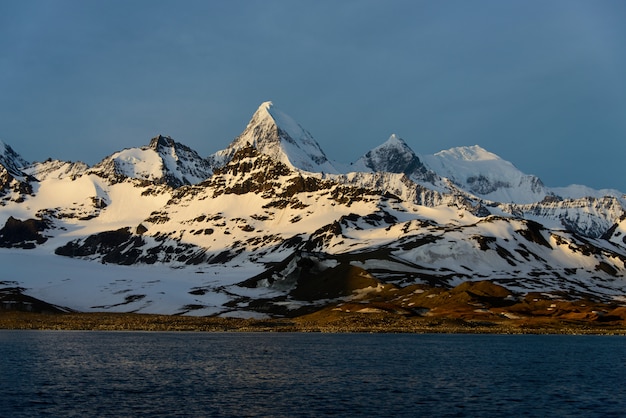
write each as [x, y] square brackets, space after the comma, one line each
[541, 83]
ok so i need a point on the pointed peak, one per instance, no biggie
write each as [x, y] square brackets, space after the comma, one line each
[393, 156]
[266, 105]
[275, 133]
[393, 143]
[396, 141]
[161, 141]
[395, 138]
[269, 115]
[264, 111]
[268, 112]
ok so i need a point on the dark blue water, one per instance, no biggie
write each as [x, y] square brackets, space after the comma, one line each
[291, 375]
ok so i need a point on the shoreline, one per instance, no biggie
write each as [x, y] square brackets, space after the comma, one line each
[355, 323]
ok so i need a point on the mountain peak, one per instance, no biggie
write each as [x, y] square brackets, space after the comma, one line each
[395, 140]
[161, 141]
[262, 115]
[11, 160]
[392, 156]
[274, 133]
[266, 105]
[162, 161]
[485, 174]
[471, 153]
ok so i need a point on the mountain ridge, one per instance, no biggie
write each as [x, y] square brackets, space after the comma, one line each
[251, 230]
[265, 124]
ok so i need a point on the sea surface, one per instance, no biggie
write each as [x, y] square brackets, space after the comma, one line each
[70, 373]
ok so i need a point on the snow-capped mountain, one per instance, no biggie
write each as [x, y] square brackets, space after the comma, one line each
[394, 156]
[162, 161]
[256, 229]
[486, 175]
[56, 169]
[276, 134]
[577, 191]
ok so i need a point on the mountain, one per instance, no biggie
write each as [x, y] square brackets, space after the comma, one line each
[274, 133]
[394, 156]
[486, 175]
[257, 230]
[162, 161]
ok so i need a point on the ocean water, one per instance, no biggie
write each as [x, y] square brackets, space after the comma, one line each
[69, 373]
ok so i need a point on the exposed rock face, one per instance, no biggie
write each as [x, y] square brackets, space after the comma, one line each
[22, 234]
[14, 299]
[5, 179]
[12, 178]
[125, 248]
[394, 156]
[11, 160]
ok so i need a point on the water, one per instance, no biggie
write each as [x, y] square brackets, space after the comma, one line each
[254, 374]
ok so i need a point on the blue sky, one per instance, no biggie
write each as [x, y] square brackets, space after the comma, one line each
[542, 83]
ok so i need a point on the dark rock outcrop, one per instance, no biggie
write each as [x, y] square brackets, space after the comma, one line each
[22, 234]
